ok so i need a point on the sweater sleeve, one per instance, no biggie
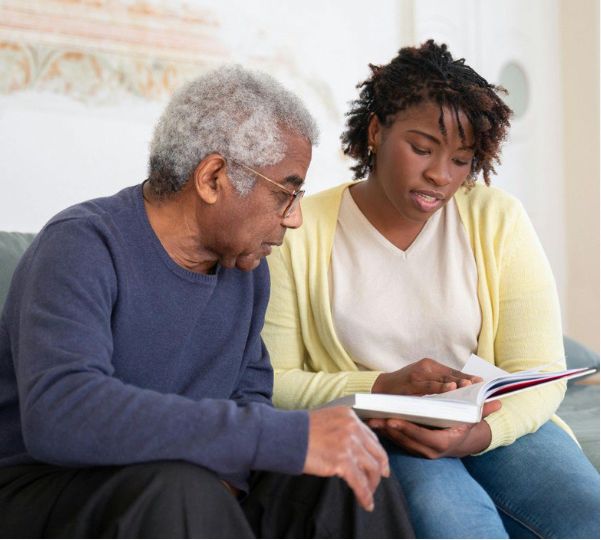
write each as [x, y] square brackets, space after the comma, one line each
[528, 333]
[306, 375]
[255, 383]
[75, 412]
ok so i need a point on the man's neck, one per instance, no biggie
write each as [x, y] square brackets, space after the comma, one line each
[174, 221]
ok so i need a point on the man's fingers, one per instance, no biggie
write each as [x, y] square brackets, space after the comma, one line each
[366, 454]
[373, 446]
[358, 482]
[371, 468]
[368, 432]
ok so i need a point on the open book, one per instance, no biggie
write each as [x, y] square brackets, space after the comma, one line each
[461, 406]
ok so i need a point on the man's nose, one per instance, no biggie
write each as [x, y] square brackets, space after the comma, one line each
[295, 219]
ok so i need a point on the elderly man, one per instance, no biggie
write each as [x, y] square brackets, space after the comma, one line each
[135, 389]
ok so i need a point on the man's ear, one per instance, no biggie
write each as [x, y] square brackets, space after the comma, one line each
[210, 178]
[374, 131]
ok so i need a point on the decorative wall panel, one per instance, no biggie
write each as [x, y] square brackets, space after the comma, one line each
[104, 50]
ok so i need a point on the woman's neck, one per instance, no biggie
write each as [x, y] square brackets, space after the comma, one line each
[380, 212]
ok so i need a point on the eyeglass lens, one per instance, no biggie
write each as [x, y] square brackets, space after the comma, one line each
[293, 203]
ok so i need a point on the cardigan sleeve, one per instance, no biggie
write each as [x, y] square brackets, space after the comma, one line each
[306, 375]
[528, 332]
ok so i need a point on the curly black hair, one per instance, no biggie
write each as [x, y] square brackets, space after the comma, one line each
[428, 72]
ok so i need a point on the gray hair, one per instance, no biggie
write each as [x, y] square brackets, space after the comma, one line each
[234, 112]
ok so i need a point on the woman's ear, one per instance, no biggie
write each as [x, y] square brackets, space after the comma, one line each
[210, 178]
[374, 132]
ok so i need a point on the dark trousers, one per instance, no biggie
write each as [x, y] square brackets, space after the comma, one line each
[173, 499]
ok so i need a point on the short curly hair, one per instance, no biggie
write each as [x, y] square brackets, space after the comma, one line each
[429, 72]
[232, 111]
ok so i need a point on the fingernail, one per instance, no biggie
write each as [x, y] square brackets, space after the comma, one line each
[387, 471]
[370, 507]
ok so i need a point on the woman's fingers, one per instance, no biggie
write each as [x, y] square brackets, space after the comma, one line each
[491, 407]
[411, 446]
[376, 423]
[432, 365]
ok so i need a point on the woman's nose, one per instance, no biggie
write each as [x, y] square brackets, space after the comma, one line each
[438, 173]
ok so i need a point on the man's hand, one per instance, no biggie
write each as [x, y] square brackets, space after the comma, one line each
[235, 491]
[424, 377]
[342, 445]
[458, 441]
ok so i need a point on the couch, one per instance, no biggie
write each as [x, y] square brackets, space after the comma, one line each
[580, 408]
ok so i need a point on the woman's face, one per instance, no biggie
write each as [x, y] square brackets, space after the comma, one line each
[417, 168]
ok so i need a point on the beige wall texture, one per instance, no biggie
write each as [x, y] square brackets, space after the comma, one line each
[580, 75]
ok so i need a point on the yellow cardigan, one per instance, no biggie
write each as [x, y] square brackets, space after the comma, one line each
[521, 325]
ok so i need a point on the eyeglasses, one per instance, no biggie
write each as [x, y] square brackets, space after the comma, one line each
[295, 195]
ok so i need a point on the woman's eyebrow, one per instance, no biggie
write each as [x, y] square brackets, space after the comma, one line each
[437, 141]
[423, 134]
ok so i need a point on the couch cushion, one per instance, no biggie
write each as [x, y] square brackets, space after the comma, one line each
[12, 246]
[580, 410]
[579, 356]
[580, 407]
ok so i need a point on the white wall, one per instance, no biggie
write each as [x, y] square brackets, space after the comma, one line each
[580, 69]
[55, 151]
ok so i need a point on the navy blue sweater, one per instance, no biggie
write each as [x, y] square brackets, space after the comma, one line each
[111, 353]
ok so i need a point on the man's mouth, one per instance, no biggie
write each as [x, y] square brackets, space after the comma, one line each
[269, 245]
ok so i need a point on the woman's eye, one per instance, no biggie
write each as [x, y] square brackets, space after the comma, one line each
[419, 150]
[461, 162]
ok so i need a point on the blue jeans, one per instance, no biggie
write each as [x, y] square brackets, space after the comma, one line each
[541, 486]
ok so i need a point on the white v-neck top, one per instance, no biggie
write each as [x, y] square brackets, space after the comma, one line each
[392, 307]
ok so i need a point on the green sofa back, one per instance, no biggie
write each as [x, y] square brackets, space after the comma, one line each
[12, 246]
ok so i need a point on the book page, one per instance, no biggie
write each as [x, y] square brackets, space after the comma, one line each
[541, 368]
[473, 393]
[481, 368]
[516, 388]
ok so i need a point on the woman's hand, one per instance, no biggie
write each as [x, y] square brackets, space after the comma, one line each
[424, 377]
[458, 441]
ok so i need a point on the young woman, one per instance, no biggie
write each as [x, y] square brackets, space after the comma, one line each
[393, 282]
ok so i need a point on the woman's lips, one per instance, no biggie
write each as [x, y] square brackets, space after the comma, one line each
[426, 201]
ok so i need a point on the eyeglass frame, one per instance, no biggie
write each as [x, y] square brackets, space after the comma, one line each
[295, 194]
